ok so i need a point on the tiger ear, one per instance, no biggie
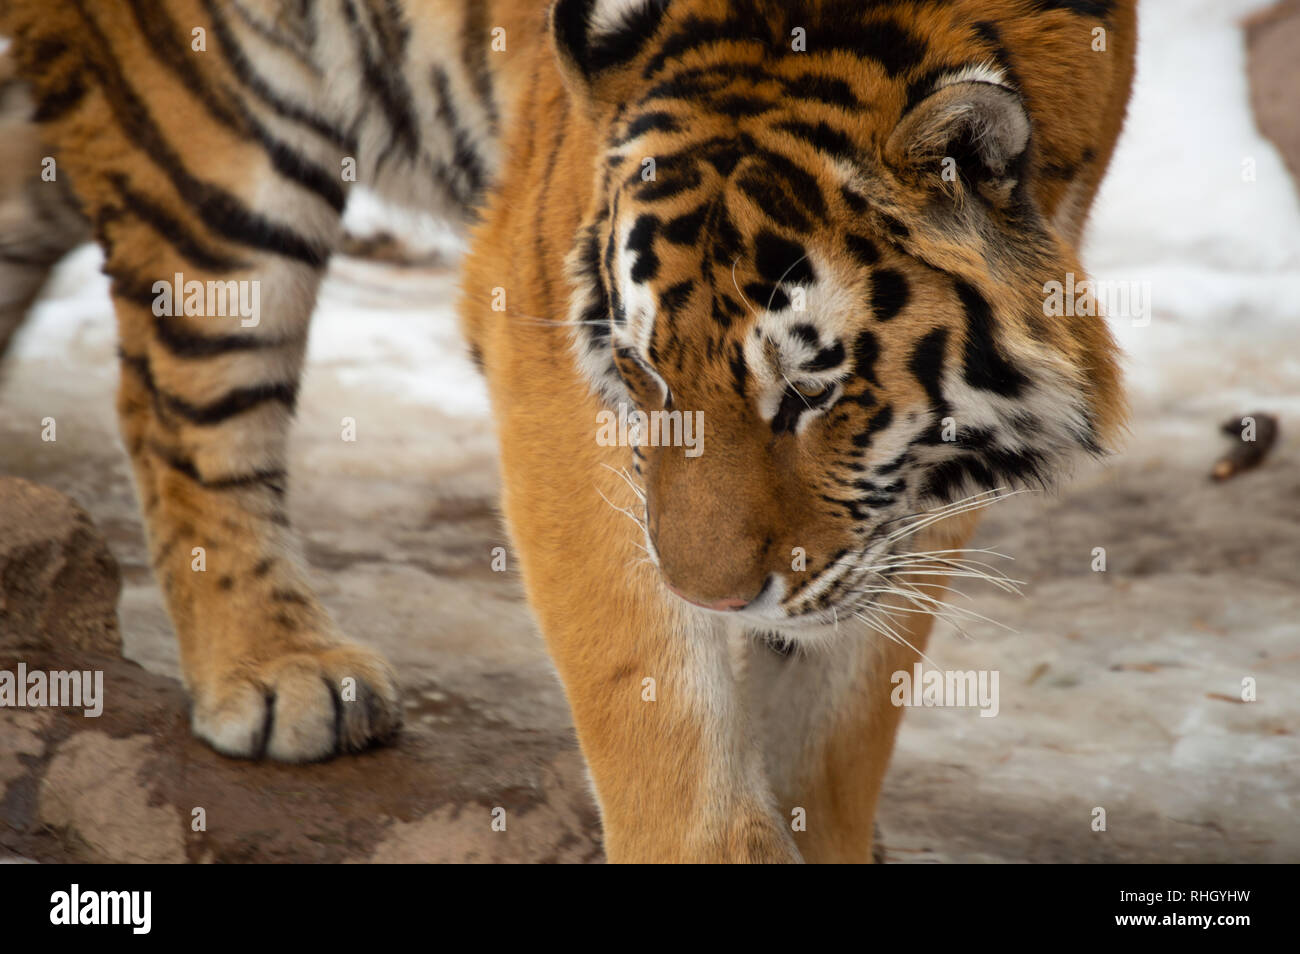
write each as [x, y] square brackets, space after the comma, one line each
[970, 134]
[598, 40]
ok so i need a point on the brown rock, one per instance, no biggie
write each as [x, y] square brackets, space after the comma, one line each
[59, 584]
[1273, 39]
[133, 785]
[96, 791]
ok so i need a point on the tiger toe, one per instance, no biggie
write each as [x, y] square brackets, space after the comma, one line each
[301, 707]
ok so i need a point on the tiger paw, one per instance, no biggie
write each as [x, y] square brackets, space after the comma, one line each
[304, 706]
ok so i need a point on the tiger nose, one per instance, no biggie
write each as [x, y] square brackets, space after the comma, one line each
[728, 605]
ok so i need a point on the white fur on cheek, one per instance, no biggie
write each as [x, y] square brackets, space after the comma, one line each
[638, 299]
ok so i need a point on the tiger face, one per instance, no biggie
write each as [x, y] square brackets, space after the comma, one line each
[836, 264]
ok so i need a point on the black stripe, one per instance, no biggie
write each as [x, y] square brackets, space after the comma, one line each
[825, 89]
[777, 259]
[1098, 9]
[235, 402]
[856, 202]
[387, 86]
[773, 201]
[173, 230]
[685, 228]
[862, 249]
[170, 333]
[656, 121]
[247, 74]
[288, 44]
[52, 104]
[889, 293]
[883, 41]
[741, 105]
[926, 364]
[739, 371]
[641, 242]
[821, 137]
[182, 343]
[140, 365]
[677, 297]
[167, 43]
[985, 366]
[826, 358]
[802, 184]
[679, 179]
[273, 480]
[894, 465]
[238, 401]
[293, 165]
[698, 82]
[866, 351]
[220, 210]
[695, 33]
[465, 159]
[991, 35]
[475, 40]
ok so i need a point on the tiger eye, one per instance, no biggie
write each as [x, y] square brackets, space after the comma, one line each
[811, 391]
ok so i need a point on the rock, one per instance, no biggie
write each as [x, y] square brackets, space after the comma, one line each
[96, 791]
[133, 785]
[59, 584]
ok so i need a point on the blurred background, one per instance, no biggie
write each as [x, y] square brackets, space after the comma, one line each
[1120, 689]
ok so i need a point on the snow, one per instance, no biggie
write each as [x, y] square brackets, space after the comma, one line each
[1221, 252]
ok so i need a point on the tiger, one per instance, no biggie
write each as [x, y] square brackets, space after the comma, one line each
[820, 228]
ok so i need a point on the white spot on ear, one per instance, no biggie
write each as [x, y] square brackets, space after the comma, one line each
[609, 16]
[983, 73]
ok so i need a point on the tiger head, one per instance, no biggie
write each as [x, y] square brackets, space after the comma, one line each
[834, 254]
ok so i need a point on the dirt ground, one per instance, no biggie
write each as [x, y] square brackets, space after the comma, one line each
[1120, 689]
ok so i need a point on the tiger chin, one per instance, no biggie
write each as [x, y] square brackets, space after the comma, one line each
[822, 230]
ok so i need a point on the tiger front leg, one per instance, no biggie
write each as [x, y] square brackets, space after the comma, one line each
[215, 258]
[205, 406]
[677, 770]
[677, 773]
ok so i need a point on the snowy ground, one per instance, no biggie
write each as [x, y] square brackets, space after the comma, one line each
[1116, 686]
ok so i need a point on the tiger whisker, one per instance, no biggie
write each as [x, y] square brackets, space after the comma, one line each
[623, 510]
[966, 505]
[738, 291]
[880, 626]
[949, 574]
[537, 319]
[880, 607]
[935, 606]
[627, 479]
[981, 570]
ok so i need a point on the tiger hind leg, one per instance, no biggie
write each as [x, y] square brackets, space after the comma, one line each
[40, 220]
